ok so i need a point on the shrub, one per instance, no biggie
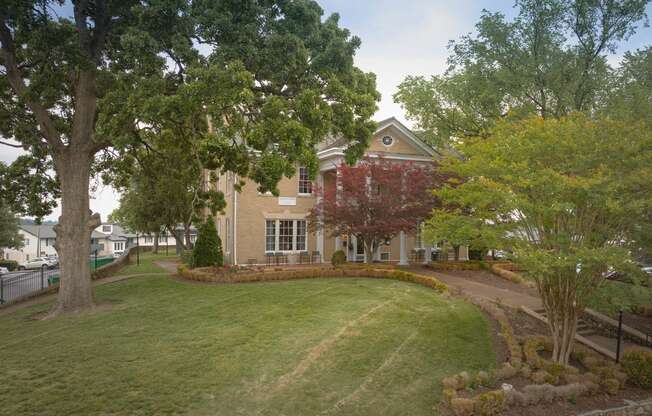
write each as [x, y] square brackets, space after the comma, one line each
[186, 258]
[208, 248]
[338, 258]
[611, 385]
[491, 403]
[462, 407]
[9, 264]
[449, 395]
[637, 364]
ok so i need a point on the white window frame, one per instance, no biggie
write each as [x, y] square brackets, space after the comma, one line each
[107, 228]
[295, 236]
[304, 181]
[118, 246]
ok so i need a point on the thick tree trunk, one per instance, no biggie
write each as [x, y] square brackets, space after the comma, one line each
[456, 251]
[186, 232]
[73, 241]
[370, 251]
[155, 248]
[178, 240]
[558, 296]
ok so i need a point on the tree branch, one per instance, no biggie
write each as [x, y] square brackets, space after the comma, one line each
[43, 118]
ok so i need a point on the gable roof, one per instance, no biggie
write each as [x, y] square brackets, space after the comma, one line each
[47, 231]
[338, 144]
[412, 138]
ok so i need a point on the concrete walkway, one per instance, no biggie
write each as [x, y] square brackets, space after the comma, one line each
[517, 299]
[487, 291]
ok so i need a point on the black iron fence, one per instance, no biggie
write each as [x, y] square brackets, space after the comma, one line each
[18, 284]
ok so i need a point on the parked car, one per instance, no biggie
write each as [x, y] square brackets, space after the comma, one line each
[3, 270]
[53, 261]
[647, 269]
[37, 263]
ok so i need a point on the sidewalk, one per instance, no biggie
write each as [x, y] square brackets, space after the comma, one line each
[489, 292]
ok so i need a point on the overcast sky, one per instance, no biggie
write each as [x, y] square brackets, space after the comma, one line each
[399, 38]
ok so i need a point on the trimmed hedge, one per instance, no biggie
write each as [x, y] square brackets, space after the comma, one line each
[249, 276]
[457, 265]
[338, 258]
[9, 264]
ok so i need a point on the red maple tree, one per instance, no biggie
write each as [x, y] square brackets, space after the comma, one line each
[375, 200]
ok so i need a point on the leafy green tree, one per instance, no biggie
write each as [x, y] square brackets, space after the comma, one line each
[549, 60]
[277, 80]
[208, 248]
[9, 235]
[564, 195]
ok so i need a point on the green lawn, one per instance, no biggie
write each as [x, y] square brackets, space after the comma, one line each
[146, 263]
[329, 346]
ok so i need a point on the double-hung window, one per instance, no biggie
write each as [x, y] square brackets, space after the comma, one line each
[305, 184]
[285, 235]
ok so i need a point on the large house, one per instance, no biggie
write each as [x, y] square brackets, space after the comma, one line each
[110, 239]
[38, 241]
[256, 226]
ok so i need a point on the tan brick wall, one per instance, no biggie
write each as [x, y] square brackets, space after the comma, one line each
[253, 208]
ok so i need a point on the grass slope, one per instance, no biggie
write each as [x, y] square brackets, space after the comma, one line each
[332, 346]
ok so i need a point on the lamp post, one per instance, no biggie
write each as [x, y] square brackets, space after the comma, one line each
[137, 250]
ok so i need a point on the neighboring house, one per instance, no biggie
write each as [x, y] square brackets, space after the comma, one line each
[112, 239]
[38, 241]
[254, 224]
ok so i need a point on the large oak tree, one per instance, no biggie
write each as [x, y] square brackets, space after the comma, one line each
[75, 78]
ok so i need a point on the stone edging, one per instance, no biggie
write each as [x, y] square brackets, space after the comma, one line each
[632, 409]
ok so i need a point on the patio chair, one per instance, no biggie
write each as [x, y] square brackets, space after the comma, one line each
[281, 258]
[269, 259]
[315, 257]
[304, 256]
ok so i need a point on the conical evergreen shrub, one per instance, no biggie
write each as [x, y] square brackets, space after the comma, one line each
[208, 248]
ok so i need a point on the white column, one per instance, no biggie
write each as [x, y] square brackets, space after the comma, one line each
[403, 261]
[338, 243]
[320, 232]
[427, 255]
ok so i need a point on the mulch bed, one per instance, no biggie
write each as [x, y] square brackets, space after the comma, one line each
[525, 325]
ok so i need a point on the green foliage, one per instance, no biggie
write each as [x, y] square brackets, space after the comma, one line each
[208, 248]
[611, 296]
[9, 264]
[551, 59]
[561, 194]
[338, 258]
[637, 363]
[187, 258]
[9, 235]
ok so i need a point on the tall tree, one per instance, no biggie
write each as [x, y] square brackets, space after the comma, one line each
[70, 82]
[564, 195]
[9, 235]
[549, 60]
[375, 200]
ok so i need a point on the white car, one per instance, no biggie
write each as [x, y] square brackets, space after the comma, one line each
[3, 270]
[37, 263]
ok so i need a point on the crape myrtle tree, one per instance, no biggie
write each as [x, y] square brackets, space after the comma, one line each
[277, 78]
[564, 195]
[550, 60]
[375, 200]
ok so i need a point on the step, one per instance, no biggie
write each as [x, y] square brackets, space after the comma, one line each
[586, 332]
